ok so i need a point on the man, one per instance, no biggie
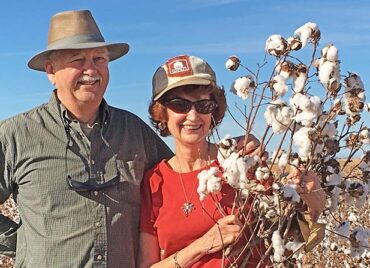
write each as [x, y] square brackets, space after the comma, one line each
[74, 165]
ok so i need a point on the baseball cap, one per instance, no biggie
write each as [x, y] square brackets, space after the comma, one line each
[180, 71]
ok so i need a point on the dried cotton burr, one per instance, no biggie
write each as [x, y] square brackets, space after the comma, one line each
[354, 98]
[294, 43]
[232, 64]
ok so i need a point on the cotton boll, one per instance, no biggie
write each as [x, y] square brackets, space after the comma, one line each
[310, 108]
[334, 199]
[330, 52]
[208, 182]
[367, 107]
[299, 82]
[294, 43]
[231, 173]
[226, 146]
[305, 118]
[333, 179]
[278, 116]
[276, 45]
[352, 217]
[243, 86]
[353, 81]
[290, 193]
[302, 141]
[279, 86]
[364, 136]
[296, 248]
[262, 173]
[202, 185]
[307, 32]
[278, 246]
[325, 71]
[214, 184]
[329, 130]
[232, 64]
[300, 101]
[282, 158]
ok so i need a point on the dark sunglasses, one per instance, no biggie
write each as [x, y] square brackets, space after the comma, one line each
[183, 106]
[79, 186]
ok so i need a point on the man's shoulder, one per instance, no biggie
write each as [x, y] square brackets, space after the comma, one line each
[21, 118]
[120, 114]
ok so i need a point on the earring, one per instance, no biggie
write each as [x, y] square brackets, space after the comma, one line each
[162, 125]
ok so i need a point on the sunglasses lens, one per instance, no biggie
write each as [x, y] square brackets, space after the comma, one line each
[84, 187]
[184, 106]
[179, 105]
[205, 106]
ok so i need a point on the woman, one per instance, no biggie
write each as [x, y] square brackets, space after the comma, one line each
[177, 229]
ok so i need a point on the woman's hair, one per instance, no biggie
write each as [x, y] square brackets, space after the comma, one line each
[158, 111]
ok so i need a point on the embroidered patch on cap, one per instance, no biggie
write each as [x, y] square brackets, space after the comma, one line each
[179, 66]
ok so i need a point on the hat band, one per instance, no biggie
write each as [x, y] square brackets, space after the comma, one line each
[67, 42]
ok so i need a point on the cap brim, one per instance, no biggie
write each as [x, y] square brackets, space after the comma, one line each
[183, 82]
[116, 51]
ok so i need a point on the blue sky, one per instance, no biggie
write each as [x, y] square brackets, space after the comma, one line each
[158, 30]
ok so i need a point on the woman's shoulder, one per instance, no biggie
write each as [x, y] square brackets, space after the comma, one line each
[156, 174]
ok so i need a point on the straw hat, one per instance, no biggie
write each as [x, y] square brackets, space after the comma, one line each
[75, 30]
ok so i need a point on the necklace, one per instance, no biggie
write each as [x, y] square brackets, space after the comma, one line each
[188, 206]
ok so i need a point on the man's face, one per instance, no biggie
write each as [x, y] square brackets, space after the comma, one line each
[80, 76]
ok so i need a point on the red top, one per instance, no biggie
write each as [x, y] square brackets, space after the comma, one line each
[162, 198]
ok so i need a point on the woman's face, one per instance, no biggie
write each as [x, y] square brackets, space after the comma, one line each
[189, 128]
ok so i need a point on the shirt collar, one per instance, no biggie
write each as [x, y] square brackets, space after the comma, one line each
[104, 112]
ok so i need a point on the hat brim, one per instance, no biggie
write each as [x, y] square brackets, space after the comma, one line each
[184, 82]
[116, 50]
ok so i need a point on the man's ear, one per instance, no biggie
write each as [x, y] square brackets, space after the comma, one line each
[50, 71]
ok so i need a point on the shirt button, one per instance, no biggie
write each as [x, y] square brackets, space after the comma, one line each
[99, 257]
[96, 193]
[98, 224]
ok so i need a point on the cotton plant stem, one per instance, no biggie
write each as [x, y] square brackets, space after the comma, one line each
[280, 145]
[250, 122]
[236, 121]
[267, 253]
[218, 205]
[249, 242]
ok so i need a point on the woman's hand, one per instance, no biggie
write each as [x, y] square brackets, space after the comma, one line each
[251, 146]
[225, 232]
[309, 188]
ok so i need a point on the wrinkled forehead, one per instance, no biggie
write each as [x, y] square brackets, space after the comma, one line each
[63, 53]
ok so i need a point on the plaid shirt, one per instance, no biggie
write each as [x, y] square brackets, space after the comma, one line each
[60, 227]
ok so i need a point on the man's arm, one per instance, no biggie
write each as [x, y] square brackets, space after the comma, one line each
[8, 228]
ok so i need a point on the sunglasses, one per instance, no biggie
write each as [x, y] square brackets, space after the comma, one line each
[79, 186]
[183, 106]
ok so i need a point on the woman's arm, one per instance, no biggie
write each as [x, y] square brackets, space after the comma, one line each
[225, 232]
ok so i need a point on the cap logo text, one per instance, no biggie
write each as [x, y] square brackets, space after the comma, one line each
[179, 66]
